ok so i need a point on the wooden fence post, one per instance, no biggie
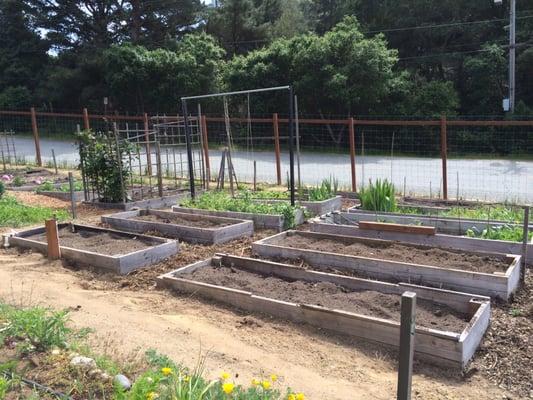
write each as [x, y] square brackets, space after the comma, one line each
[275, 124]
[524, 244]
[351, 132]
[36, 137]
[407, 345]
[52, 239]
[147, 140]
[444, 156]
[86, 124]
[206, 150]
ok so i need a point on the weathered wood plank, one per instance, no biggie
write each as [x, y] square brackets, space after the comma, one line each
[390, 227]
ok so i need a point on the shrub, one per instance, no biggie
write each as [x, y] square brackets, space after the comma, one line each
[18, 181]
[2, 189]
[378, 196]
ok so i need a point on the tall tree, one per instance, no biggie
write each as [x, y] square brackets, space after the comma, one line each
[22, 56]
[75, 23]
[159, 23]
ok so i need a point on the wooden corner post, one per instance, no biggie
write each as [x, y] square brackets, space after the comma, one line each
[52, 239]
[86, 124]
[148, 149]
[351, 132]
[444, 155]
[275, 124]
[407, 345]
[36, 139]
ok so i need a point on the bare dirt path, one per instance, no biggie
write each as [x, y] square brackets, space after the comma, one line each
[124, 321]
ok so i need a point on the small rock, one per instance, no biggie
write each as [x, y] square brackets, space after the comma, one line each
[94, 372]
[83, 362]
[122, 381]
[56, 352]
[105, 376]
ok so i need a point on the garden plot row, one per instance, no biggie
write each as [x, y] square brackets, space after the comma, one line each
[185, 226]
[106, 249]
[490, 274]
[347, 224]
[450, 325]
[449, 225]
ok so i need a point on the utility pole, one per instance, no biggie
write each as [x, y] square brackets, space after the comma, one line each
[512, 53]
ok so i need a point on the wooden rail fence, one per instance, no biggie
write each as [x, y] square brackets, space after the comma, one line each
[352, 124]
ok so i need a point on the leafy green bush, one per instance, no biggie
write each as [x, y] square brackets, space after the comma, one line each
[104, 164]
[15, 214]
[378, 196]
[2, 189]
[34, 328]
[222, 201]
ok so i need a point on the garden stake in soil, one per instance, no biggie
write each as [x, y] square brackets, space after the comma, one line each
[52, 239]
[407, 345]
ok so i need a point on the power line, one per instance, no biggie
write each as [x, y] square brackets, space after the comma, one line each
[487, 21]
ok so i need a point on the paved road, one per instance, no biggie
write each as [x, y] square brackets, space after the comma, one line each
[484, 179]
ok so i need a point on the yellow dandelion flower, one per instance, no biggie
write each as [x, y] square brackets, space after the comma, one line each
[256, 382]
[166, 371]
[152, 396]
[186, 378]
[224, 375]
[300, 396]
[228, 387]
[273, 377]
[291, 397]
[266, 385]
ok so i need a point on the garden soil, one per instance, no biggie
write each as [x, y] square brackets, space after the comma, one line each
[178, 220]
[98, 242]
[398, 252]
[326, 294]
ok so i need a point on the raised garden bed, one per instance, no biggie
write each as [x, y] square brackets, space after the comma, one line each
[261, 221]
[315, 207]
[343, 224]
[65, 196]
[28, 180]
[488, 274]
[450, 325]
[449, 225]
[154, 202]
[108, 249]
[185, 226]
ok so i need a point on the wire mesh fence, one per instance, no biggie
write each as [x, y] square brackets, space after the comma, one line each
[461, 158]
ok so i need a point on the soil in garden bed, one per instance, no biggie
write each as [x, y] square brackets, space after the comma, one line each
[399, 252]
[178, 220]
[370, 303]
[107, 243]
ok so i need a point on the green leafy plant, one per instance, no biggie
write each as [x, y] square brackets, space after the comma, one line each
[46, 187]
[78, 187]
[18, 181]
[222, 201]
[326, 190]
[2, 189]
[378, 196]
[500, 232]
[35, 328]
[15, 214]
[104, 164]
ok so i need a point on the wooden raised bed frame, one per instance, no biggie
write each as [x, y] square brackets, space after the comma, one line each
[345, 224]
[121, 264]
[440, 347]
[261, 221]
[500, 285]
[208, 235]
